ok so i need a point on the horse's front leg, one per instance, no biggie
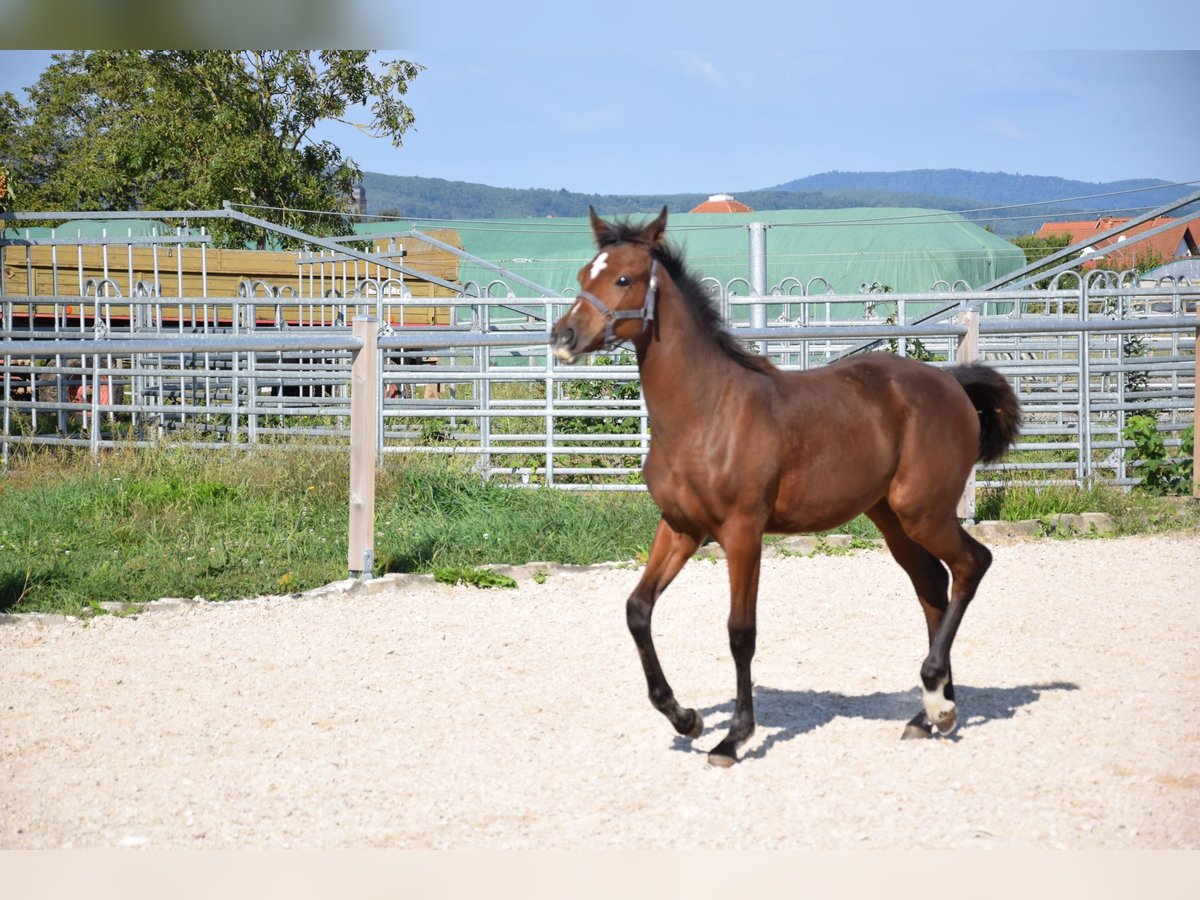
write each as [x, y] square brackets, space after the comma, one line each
[744, 553]
[668, 553]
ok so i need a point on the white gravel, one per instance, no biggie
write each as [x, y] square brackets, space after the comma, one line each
[427, 716]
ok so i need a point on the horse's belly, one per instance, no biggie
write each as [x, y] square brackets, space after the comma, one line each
[809, 504]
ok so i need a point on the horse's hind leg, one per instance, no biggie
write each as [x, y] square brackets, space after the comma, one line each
[929, 580]
[968, 561]
[668, 553]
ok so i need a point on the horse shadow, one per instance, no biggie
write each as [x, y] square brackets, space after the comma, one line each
[790, 714]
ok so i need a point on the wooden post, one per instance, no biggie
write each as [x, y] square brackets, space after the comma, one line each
[364, 398]
[1196, 408]
[968, 352]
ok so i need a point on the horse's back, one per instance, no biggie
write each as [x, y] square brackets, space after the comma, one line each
[866, 428]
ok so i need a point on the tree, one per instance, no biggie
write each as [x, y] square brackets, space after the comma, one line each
[1037, 248]
[174, 129]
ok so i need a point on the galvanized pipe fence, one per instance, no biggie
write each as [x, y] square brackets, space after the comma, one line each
[496, 395]
[98, 359]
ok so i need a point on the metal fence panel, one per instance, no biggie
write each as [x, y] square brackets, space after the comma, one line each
[94, 354]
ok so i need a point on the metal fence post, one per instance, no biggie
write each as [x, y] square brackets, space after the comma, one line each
[758, 277]
[1085, 389]
[364, 398]
[968, 352]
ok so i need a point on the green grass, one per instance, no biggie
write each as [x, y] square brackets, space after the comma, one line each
[175, 522]
[1134, 512]
[138, 525]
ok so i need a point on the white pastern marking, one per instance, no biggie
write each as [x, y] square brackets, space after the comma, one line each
[937, 707]
[599, 264]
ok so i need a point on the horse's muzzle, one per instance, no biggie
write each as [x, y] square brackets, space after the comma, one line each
[564, 342]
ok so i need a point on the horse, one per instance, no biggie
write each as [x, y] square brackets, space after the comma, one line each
[740, 448]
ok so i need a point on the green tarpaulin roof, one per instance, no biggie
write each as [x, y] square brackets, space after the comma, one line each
[905, 249]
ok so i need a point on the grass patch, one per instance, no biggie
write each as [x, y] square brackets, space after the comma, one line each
[143, 525]
[1134, 512]
[137, 525]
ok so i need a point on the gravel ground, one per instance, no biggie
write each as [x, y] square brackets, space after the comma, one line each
[411, 714]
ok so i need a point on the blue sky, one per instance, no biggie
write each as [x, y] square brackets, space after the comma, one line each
[674, 97]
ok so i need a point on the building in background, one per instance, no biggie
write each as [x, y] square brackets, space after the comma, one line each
[1174, 243]
[722, 203]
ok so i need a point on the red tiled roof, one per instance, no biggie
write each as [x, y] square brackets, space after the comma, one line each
[722, 203]
[1167, 245]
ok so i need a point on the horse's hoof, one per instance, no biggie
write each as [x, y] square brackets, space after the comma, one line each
[916, 732]
[697, 725]
[721, 760]
[948, 722]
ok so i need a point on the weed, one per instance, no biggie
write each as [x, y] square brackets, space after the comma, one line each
[862, 543]
[1161, 473]
[482, 578]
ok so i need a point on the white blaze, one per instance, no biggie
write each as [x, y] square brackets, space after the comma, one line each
[599, 264]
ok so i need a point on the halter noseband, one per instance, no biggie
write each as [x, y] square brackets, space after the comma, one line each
[613, 316]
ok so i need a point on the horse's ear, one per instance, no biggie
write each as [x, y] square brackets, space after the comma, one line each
[653, 233]
[601, 229]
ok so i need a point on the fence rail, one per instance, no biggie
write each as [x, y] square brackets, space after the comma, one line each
[499, 397]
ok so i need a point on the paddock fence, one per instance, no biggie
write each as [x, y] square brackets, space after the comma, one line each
[104, 342]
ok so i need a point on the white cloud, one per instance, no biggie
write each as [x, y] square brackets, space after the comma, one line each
[696, 66]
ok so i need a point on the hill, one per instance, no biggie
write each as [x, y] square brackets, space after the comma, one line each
[957, 190]
[997, 188]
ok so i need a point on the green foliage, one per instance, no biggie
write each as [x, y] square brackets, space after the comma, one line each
[1135, 512]
[6, 194]
[1142, 262]
[1161, 474]
[138, 525]
[610, 390]
[482, 578]
[1038, 248]
[1019, 502]
[914, 348]
[175, 129]
[603, 389]
[434, 514]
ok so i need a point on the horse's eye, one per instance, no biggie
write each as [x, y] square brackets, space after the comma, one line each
[623, 281]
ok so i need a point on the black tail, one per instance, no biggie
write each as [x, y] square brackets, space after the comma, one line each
[996, 402]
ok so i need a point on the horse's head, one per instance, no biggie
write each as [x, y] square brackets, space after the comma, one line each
[617, 290]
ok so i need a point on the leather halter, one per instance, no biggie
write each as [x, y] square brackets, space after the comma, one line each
[614, 316]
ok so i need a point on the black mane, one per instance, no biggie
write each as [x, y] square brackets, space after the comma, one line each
[707, 314]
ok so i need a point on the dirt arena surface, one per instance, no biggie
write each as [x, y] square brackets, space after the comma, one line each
[417, 715]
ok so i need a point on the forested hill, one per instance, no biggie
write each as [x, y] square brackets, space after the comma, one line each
[411, 197]
[997, 188]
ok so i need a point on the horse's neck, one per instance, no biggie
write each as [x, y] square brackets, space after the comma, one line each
[683, 368]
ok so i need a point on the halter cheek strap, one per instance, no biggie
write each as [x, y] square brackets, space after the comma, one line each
[612, 317]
